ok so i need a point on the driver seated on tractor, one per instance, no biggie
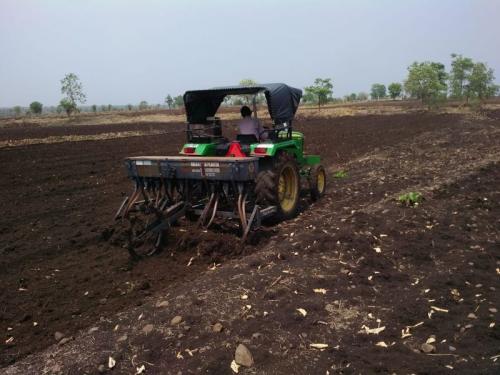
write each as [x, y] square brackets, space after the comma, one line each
[249, 125]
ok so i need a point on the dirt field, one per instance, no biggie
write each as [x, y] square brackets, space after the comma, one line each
[426, 273]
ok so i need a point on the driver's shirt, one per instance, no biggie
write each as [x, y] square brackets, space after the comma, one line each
[250, 125]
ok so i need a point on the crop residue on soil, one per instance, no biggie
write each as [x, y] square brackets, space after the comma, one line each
[356, 283]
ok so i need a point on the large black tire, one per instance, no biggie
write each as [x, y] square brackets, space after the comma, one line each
[267, 185]
[317, 182]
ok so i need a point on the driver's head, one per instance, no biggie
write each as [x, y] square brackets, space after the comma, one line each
[245, 111]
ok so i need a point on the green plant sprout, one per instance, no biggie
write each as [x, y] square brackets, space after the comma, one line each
[340, 174]
[410, 199]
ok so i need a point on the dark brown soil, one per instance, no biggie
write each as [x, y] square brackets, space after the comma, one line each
[59, 270]
[29, 132]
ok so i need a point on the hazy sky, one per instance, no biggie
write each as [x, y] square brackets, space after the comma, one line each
[131, 50]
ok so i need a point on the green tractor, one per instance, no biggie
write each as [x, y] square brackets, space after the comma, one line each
[247, 179]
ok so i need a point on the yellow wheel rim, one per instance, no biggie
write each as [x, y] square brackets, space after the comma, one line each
[321, 181]
[287, 189]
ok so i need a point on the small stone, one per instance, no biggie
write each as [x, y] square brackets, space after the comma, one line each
[58, 336]
[242, 356]
[162, 304]
[492, 310]
[217, 327]
[176, 320]
[64, 340]
[256, 335]
[56, 369]
[93, 329]
[427, 348]
[122, 338]
[452, 348]
[472, 316]
[101, 369]
[103, 301]
[148, 328]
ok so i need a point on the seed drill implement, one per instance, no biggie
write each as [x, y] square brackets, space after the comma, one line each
[246, 180]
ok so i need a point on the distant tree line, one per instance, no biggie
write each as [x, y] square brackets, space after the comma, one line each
[428, 81]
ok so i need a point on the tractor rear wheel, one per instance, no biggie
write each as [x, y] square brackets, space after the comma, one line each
[317, 182]
[280, 186]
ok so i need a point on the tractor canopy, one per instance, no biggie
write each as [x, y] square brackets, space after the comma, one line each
[282, 101]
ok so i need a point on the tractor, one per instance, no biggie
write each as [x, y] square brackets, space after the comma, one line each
[249, 179]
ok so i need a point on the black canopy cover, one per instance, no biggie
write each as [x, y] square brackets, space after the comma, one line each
[282, 101]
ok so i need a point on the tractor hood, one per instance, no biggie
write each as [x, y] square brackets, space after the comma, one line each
[282, 101]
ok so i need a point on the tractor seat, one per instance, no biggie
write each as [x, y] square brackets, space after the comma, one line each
[245, 141]
[222, 148]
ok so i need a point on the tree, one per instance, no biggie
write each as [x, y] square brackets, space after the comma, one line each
[321, 91]
[247, 99]
[169, 101]
[239, 101]
[94, 108]
[378, 91]
[308, 97]
[36, 108]
[17, 110]
[461, 69]
[395, 89]
[73, 89]
[362, 96]
[350, 98]
[481, 84]
[441, 73]
[426, 81]
[248, 82]
[143, 105]
[67, 106]
[178, 101]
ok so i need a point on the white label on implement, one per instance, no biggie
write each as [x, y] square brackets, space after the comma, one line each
[206, 168]
[144, 162]
[212, 170]
[205, 164]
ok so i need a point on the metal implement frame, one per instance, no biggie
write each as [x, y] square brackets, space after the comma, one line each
[169, 187]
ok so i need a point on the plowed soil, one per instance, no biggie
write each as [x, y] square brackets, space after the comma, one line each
[355, 261]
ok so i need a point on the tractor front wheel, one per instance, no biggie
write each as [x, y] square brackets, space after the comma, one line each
[317, 182]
